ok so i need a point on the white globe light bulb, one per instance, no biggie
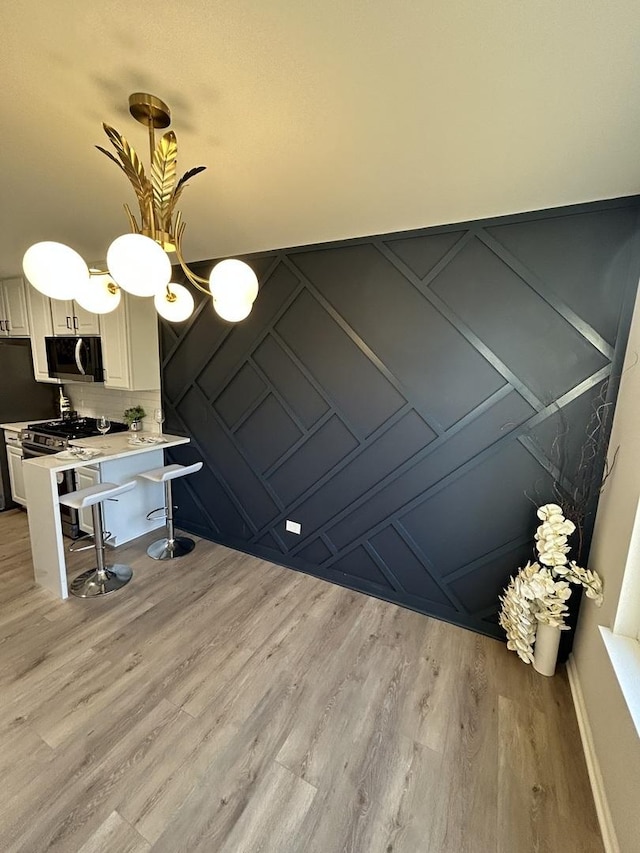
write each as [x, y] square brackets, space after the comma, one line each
[233, 279]
[100, 295]
[138, 264]
[55, 269]
[232, 310]
[175, 309]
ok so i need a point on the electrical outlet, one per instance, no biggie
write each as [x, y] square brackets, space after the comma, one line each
[293, 527]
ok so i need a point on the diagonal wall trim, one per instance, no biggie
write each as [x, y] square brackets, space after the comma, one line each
[384, 245]
[571, 395]
[442, 483]
[276, 393]
[384, 428]
[428, 566]
[362, 346]
[587, 331]
[480, 562]
[384, 568]
[203, 451]
[538, 454]
[465, 331]
[311, 378]
[435, 445]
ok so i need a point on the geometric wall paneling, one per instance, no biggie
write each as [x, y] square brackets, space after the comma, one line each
[416, 343]
[410, 572]
[515, 322]
[357, 476]
[291, 383]
[239, 395]
[422, 253]
[576, 258]
[358, 563]
[315, 552]
[487, 498]
[358, 389]
[267, 434]
[324, 448]
[406, 398]
[437, 462]
[227, 459]
[566, 451]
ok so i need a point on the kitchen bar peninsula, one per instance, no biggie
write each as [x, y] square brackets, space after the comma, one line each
[41, 486]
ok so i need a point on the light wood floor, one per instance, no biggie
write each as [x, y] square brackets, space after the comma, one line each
[226, 705]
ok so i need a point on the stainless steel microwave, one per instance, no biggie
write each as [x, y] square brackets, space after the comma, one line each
[75, 359]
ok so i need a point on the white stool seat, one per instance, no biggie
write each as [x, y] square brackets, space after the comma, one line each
[95, 494]
[170, 472]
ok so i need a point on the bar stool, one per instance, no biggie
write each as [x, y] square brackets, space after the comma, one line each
[102, 579]
[172, 546]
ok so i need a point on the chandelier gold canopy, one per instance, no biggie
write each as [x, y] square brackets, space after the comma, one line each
[138, 262]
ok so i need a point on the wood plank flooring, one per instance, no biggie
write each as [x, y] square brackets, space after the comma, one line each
[222, 704]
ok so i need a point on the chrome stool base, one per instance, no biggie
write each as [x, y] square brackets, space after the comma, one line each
[92, 582]
[165, 549]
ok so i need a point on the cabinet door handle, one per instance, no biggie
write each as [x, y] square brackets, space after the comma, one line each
[2, 326]
[76, 325]
[68, 322]
[8, 326]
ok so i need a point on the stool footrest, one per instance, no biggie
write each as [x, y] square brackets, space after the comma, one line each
[106, 535]
[151, 516]
[76, 547]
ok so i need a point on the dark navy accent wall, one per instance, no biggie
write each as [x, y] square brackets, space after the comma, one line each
[400, 395]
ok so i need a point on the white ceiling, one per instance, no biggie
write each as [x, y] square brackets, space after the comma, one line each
[317, 119]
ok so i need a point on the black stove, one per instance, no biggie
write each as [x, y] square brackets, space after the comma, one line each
[52, 436]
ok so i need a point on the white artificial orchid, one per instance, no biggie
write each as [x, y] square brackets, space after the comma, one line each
[548, 510]
[540, 593]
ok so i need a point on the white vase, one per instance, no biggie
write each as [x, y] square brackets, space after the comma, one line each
[545, 651]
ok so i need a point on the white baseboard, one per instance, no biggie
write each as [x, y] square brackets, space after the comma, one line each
[609, 838]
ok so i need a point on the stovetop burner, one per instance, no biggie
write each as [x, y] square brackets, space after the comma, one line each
[72, 429]
[59, 433]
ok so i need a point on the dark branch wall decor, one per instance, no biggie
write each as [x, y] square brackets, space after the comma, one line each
[398, 396]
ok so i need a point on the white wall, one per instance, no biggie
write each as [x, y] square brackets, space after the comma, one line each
[616, 742]
[95, 400]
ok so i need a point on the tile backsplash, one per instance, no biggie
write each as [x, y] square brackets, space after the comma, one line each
[90, 400]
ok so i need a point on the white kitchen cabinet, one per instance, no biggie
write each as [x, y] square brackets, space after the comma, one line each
[130, 350]
[16, 476]
[126, 516]
[85, 477]
[14, 318]
[68, 318]
[129, 336]
[41, 326]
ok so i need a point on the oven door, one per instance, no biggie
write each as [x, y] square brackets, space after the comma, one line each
[66, 483]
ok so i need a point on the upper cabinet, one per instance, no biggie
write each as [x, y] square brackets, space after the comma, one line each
[14, 318]
[41, 326]
[130, 351]
[70, 319]
[129, 337]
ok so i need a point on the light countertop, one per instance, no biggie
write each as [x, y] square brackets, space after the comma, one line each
[18, 426]
[111, 447]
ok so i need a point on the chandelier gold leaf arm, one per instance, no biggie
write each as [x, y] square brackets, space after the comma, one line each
[138, 262]
[163, 178]
[134, 170]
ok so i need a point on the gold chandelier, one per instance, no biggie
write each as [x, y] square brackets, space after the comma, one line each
[138, 262]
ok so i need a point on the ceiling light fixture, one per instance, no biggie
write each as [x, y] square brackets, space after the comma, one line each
[138, 262]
